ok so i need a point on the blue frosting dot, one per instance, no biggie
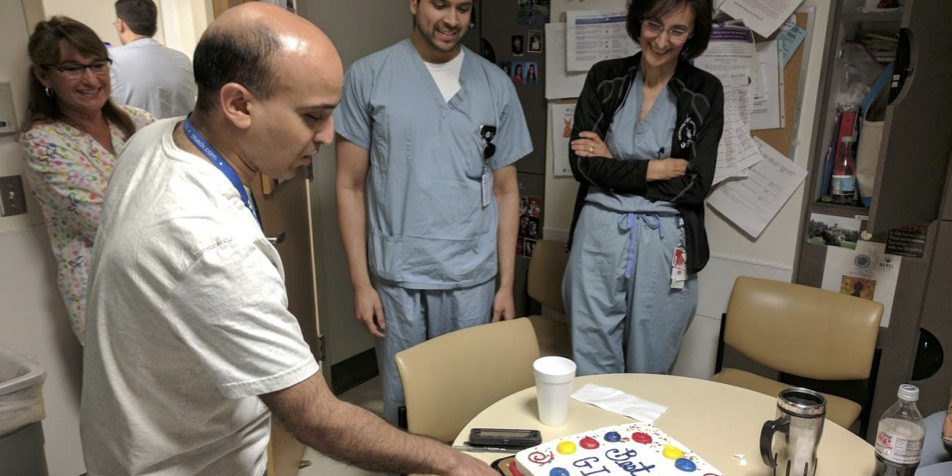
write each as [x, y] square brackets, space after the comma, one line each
[612, 436]
[559, 472]
[684, 464]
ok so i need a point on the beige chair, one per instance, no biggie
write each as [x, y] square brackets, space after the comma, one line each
[544, 285]
[801, 331]
[449, 379]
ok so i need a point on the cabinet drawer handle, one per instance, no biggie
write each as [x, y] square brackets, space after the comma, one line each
[275, 240]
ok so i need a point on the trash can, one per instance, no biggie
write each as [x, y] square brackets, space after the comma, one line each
[21, 410]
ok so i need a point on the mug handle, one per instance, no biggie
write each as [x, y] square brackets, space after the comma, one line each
[766, 438]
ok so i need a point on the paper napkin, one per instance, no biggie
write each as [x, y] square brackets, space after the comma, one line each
[615, 400]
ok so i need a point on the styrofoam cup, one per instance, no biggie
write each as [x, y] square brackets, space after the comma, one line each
[553, 378]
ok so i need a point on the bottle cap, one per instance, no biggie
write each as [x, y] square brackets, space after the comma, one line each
[909, 392]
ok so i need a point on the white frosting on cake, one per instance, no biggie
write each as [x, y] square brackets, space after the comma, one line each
[622, 450]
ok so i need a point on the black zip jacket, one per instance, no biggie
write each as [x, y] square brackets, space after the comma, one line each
[700, 121]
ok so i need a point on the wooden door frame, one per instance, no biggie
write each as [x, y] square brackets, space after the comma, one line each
[219, 6]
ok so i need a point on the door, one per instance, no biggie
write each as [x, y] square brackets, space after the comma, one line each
[915, 150]
[286, 217]
[219, 6]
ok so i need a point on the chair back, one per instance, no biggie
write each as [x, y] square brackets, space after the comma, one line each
[544, 284]
[546, 267]
[802, 330]
[552, 336]
[449, 379]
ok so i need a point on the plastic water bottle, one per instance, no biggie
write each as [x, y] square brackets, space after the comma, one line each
[900, 435]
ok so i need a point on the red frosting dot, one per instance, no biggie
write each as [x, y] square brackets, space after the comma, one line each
[641, 438]
[588, 443]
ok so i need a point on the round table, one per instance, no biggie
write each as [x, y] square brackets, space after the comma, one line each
[714, 420]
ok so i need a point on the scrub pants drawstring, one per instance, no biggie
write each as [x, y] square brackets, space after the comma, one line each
[628, 221]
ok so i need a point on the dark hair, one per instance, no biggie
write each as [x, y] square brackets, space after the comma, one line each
[44, 49]
[140, 15]
[226, 56]
[653, 9]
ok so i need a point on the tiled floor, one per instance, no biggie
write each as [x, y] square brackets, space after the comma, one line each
[367, 395]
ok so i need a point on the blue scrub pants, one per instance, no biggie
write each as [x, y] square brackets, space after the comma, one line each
[416, 315]
[618, 323]
[936, 459]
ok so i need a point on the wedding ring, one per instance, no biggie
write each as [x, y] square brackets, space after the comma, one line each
[591, 149]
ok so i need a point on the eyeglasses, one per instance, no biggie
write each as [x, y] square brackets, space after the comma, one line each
[75, 71]
[675, 33]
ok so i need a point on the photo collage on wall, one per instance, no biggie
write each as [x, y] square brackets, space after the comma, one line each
[521, 69]
[530, 225]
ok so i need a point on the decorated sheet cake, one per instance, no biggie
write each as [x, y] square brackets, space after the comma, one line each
[629, 449]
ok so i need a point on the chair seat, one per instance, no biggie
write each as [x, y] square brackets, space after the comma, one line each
[839, 410]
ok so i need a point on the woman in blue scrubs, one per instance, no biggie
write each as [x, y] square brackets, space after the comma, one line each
[644, 150]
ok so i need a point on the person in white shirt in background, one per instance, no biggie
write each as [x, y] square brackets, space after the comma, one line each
[145, 73]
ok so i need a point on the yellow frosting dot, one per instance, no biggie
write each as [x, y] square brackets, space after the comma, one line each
[671, 452]
[566, 447]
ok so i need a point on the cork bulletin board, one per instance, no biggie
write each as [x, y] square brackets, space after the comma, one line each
[779, 139]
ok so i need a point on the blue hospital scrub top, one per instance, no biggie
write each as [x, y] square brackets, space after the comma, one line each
[630, 139]
[427, 227]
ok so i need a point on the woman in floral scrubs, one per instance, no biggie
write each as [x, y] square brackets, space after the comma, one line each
[72, 136]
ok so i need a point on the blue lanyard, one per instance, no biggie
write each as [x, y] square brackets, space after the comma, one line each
[216, 158]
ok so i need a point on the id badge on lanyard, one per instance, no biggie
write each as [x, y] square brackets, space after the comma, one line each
[679, 262]
[486, 134]
[202, 145]
[487, 185]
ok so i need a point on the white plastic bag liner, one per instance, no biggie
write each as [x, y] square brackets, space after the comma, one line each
[867, 157]
[21, 391]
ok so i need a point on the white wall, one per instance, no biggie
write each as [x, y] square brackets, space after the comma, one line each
[97, 14]
[732, 252]
[180, 22]
[184, 22]
[33, 318]
[356, 33]
[34, 324]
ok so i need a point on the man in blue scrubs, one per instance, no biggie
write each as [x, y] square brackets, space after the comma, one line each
[427, 136]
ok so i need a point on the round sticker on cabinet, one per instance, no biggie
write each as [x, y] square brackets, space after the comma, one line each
[861, 261]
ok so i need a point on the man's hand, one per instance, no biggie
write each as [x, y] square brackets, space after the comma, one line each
[666, 169]
[368, 309]
[311, 412]
[469, 466]
[504, 308]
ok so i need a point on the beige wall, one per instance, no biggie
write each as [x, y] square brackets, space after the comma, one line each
[184, 22]
[98, 14]
[180, 22]
[32, 315]
[33, 319]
